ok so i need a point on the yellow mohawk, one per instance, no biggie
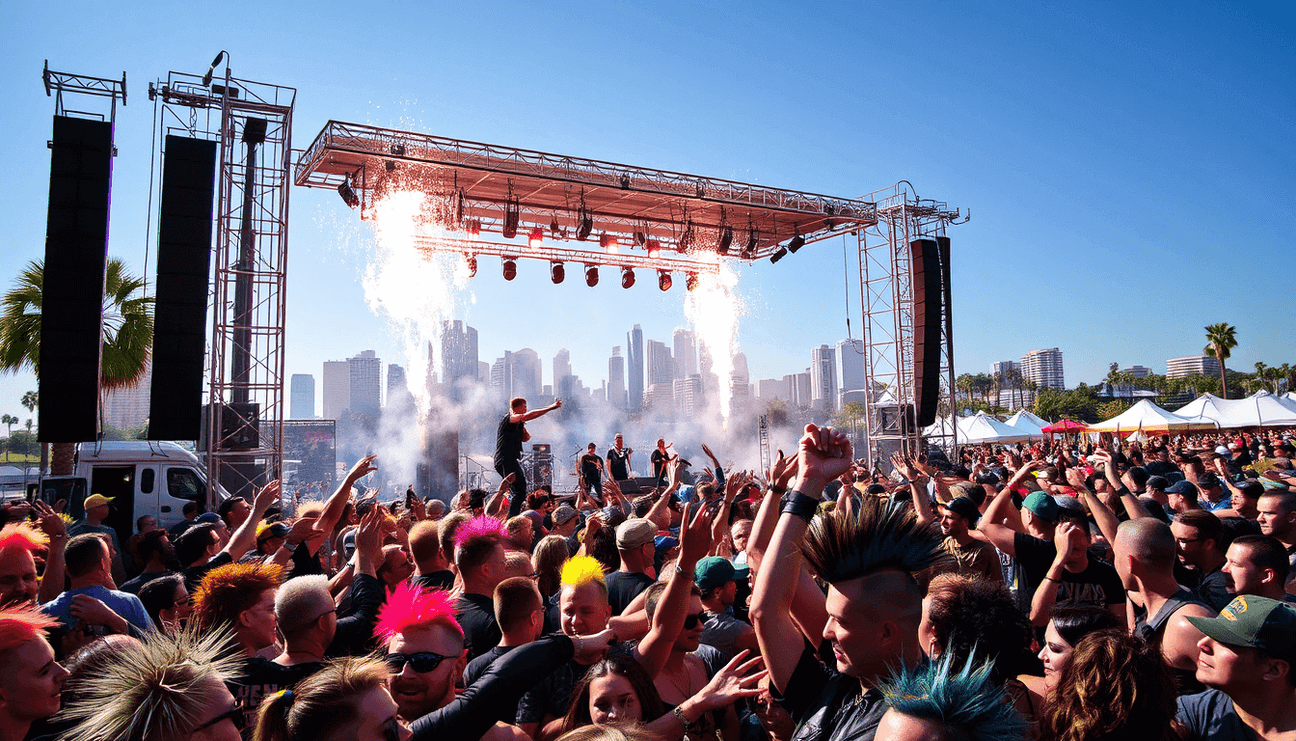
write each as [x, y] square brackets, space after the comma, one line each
[581, 570]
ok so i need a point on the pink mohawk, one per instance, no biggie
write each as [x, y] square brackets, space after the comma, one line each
[483, 525]
[22, 535]
[411, 607]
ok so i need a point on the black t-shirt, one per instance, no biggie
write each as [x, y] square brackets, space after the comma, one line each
[617, 460]
[194, 574]
[1213, 590]
[443, 579]
[552, 695]
[476, 616]
[623, 587]
[1097, 586]
[591, 468]
[477, 667]
[659, 464]
[508, 440]
[826, 705]
[259, 677]
[135, 585]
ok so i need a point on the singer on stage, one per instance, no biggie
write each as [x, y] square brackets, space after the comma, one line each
[508, 447]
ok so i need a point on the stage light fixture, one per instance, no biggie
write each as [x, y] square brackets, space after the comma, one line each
[554, 229]
[591, 275]
[472, 266]
[691, 281]
[473, 227]
[654, 248]
[726, 239]
[510, 268]
[536, 238]
[585, 226]
[640, 238]
[663, 280]
[557, 272]
[511, 215]
[782, 253]
[753, 240]
[207, 78]
[607, 241]
[797, 243]
[627, 277]
[348, 193]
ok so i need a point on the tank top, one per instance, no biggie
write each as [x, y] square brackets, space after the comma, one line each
[1153, 630]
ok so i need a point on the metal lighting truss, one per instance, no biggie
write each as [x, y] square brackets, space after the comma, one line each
[245, 360]
[887, 305]
[480, 187]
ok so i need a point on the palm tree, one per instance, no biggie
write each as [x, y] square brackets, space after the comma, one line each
[1221, 339]
[9, 421]
[127, 334]
[31, 400]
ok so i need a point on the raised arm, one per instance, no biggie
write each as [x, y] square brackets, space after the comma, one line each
[922, 502]
[992, 525]
[822, 455]
[535, 413]
[498, 502]
[668, 619]
[1046, 592]
[55, 529]
[336, 503]
[780, 473]
[244, 538]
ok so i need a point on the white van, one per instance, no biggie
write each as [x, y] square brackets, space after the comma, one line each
[141, 477]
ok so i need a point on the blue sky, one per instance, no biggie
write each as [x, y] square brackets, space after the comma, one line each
[1128, 166]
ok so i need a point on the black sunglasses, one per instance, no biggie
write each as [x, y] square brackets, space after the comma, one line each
[423, 661]
[234, 714]
[691, 621]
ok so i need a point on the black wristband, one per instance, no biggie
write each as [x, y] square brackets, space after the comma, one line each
[801, 505]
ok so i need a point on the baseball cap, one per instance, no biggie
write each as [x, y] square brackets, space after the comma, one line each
[875, 489]
[1160, 483]
[1182, 487]
[1255, 622]
[1042, 505]
[1208, 480]
[713, 571]
[267, 530]
[963, 507]
[208, 517]
[1221, 450]
[633, 533]
[563, 513]
[97, 500]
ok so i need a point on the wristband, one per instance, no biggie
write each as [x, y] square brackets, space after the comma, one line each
[801, 505]
[679, 713]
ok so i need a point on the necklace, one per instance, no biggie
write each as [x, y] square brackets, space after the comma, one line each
[685, 691]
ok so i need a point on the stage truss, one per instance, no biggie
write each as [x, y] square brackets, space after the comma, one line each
[887, 305]
[245, 361]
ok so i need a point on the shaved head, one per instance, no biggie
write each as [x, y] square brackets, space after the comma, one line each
[1149, 541]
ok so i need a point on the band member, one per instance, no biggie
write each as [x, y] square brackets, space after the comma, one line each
[509, 437]
[618, 460]
[590, 471]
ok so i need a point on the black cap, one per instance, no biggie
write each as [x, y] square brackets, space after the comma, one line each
[1182, 487]
[1208, 480]
[1160, 483]
[963, 507]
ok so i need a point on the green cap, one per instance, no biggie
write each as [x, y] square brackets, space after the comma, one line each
[713, 572]
[1044, 506]
[1254, 622]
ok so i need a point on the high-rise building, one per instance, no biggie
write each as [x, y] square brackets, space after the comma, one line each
[635, 369]
[526, 374]
[561, 369]
[686, 364]
[1193, 365]
[483, 373]
[823, 378]
[301, 396]
[850, 366]
[365, 375]
[661, 366]
[616, 394]
[397, 384]
[337, 388]
[1003, 368]
[1044, 368]
[1139, 371]
[499, 374]
[688, 396]
[773, 388]
[458, 357]
[800, 386]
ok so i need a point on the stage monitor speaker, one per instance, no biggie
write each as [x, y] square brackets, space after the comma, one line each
[180, 313]
[76, 257]
[240, 426]
[943, 246]
[925, 259]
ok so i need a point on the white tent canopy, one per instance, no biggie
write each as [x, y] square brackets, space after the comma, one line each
[982, 428]
[1027, 423]
[1261, 409]
[1148, 417]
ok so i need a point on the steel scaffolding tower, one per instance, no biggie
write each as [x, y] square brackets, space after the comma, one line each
[887, 306]
[252, 122]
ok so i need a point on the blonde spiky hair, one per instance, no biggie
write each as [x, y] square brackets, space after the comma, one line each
[581, 570]
[231, 589]
[153, 689]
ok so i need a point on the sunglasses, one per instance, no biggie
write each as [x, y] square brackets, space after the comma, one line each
[691, 621]
[234, 714]
[423, 662]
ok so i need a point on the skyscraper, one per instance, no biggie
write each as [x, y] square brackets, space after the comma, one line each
[561, 369]
[301, 396]
[458, 356]
[337, 388]
[850, 365]
[661, 366]
[686, 364]
[1003, 368]
[616, 395]
[1192, 365]
[525, 374]
[823, 378]
[365, 376]
[635, 373]
[397, 384]
[1044, 367]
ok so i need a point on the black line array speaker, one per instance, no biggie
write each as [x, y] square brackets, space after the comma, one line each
[180, 314]
[943, 246]
[925, 257]
[76, 257]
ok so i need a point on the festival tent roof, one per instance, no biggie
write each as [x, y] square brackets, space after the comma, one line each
[982, 428]
[1066, 425]
[1027, 422]
[1149, 417]
[1261, 409]
[942, 427]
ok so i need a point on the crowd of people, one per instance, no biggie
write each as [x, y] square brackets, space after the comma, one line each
[1057, 590]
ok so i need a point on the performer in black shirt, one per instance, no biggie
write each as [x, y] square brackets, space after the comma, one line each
[590, 470]
[618, 460]
[660, 457]
[508, 447]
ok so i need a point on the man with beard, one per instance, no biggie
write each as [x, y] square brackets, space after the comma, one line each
[874, 605]
[426, 653]
[156, 553]
[957, 517]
